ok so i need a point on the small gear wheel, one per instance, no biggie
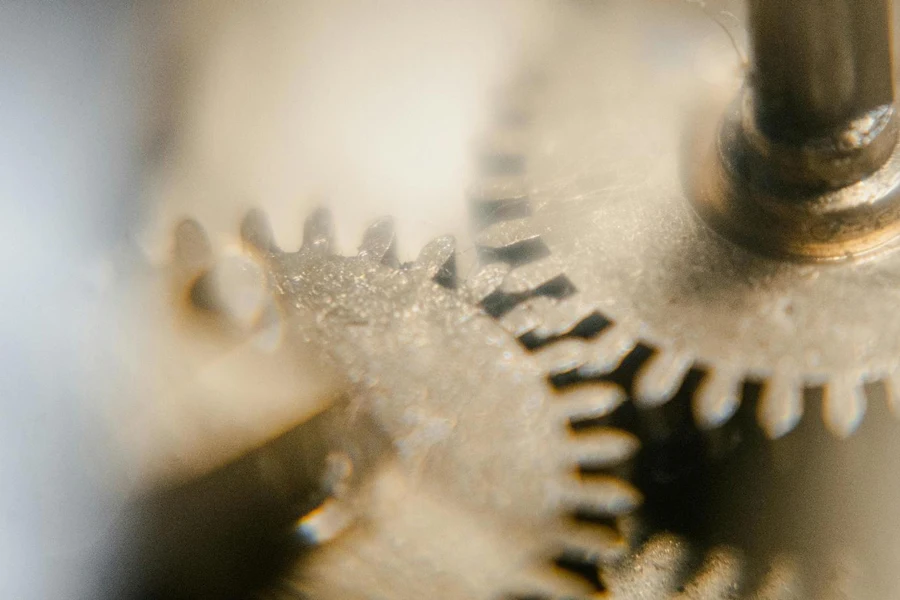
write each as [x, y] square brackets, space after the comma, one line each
[491, 475]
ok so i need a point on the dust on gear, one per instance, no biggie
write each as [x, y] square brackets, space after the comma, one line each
[493, 476]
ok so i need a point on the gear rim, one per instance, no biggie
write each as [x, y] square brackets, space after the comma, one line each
[373, 289]
[552, 318]
[565, 174]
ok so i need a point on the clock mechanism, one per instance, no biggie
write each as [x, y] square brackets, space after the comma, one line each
[673, 369]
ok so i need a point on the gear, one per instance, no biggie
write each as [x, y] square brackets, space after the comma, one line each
[602, 268]
[492, 473]
[662, 569]
[820, 504]
[608, 214]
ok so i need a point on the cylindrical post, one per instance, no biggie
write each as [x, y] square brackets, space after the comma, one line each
[806, 162]
[818, 64]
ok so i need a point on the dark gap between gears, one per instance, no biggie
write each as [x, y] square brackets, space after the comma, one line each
[587, 328]
[622, 375]
[730, 486]
[582, 565]
[565, 379]
[488, 212]
[590, 423]
[582, 516]
[516, 254]
[559, 287]
[499, 303]
[390, 258]
[590, 326]
[719, 487]
[621, 470]
[615, 418]
[626, 372]
[496, 163]
[446, 276]
[202, 293]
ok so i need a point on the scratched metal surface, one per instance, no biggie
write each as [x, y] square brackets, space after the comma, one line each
[610, 159]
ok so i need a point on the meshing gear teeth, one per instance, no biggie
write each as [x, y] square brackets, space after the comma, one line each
[496, 483]
[584, 197]
[662, 569]
[753, 373]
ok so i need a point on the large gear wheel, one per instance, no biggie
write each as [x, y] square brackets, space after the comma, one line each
[594, 181]
[606, 265]
[495, 484]
[509, 453]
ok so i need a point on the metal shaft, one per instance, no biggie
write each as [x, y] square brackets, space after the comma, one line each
[806, 162]
[818, 64]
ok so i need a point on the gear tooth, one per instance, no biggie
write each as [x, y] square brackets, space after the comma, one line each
[234, 289]
[551, 583]
[600, 496]
[486, 281]
[601, 448]
[717, 398]
[659, 564]
[562, 356]
[566, 316]
[660, 377]
[719, 578]
[608, 351]
[505, 234]
[781, 406]
[256, 231]
[522, 317]
[526, 316]
[192, 249]
[597, 542]
[379, 243]
[531, 276]
[318, 231]
[589, 401]
[438, 260]
[781, 582]
[844, 405]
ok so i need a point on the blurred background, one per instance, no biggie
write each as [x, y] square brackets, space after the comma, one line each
[70, 173]
[119, 118]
